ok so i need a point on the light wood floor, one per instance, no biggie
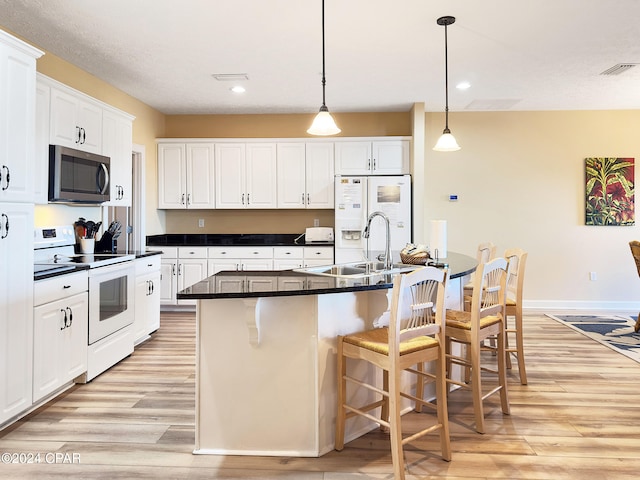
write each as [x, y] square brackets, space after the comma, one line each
[578, 418]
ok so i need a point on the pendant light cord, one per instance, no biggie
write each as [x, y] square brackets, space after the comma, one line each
[324, 81]
[446, 82]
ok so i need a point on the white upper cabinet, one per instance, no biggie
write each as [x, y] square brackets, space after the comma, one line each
[230, 166]
[72, 119]
[245, 175]
[366, 157]
[319, 175]
[291, 166]
[261, 175]
[200, 175]
[117, 145]
[41, 173]
[172, 170]
[305, 175]
[75, 122]
[17, 119]
[186, 175]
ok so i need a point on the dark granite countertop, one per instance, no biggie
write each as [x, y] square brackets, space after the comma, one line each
[237, 239]
[247, 284]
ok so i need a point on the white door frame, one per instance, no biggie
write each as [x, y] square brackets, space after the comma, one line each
[138, 204]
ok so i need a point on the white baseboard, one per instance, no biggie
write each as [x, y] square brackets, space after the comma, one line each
[576, 306]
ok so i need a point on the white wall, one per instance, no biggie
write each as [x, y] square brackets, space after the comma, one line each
[520, 181]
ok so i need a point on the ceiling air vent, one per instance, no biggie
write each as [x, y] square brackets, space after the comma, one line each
[230, 77]
[618, 69]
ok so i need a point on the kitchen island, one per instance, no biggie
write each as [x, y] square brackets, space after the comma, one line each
[265, 355]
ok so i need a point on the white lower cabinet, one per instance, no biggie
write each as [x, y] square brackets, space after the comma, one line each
[147, 303]
[180, 268]
[287, 258]
[60, 333]
[240, 258]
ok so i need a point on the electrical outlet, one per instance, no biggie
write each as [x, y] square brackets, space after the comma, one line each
[316, 222]
[593, 276]
[201, 222]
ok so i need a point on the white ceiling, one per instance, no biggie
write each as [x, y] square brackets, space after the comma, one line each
[381, 55]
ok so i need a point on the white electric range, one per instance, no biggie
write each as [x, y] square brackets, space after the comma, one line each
[111, 293]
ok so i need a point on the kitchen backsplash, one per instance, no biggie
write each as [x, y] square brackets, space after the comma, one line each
[60, 214]
[246, 221]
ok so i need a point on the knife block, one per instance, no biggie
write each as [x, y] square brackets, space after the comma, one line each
[107, 244]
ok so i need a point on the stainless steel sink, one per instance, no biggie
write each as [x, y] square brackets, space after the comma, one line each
[358, 269]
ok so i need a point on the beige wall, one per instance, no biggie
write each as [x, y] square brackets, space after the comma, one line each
[520, 180]
[282, 126]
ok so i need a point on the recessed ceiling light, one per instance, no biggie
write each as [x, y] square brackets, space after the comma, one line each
[463, 85]
[238, 89]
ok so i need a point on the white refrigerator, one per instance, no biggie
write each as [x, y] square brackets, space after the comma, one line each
[356, 197]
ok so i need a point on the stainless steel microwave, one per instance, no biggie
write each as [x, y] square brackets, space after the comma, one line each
[78, 177]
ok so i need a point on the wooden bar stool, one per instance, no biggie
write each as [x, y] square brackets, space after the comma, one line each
[470, 328]
[517, 259]
[415, 335]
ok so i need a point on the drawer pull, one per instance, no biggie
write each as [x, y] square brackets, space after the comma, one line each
[66, 286]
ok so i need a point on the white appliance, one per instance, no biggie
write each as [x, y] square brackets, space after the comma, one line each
[111, 294]
[356, 197]
[318, 235]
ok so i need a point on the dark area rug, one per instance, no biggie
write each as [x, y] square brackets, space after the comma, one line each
[614, 331]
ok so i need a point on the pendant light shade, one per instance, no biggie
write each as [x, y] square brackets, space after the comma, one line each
[323, 124]
[446, 142]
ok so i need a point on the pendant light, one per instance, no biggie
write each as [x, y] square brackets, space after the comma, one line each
[323, 124]
[446, 142]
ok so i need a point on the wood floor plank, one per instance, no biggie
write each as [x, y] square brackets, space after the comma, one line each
[578, 418]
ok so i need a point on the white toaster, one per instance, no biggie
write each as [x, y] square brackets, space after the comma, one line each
[318, 234]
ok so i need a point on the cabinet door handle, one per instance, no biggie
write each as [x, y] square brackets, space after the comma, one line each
[78, 134]
[248, 202]
[84, 135]
[303, 198]
[7, 177]
[189, 199]
[6, 226]
[182, 199]
[243, 198]
[374, 163]
[368, 164]
[173, 269]
[67, 325]
[153, 287]
[64, 321]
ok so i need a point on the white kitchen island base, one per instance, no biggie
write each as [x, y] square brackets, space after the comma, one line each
[266, 370]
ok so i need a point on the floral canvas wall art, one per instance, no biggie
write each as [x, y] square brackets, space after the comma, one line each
[610, 191]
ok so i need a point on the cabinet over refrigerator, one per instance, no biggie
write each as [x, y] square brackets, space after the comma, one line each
[356, 197]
